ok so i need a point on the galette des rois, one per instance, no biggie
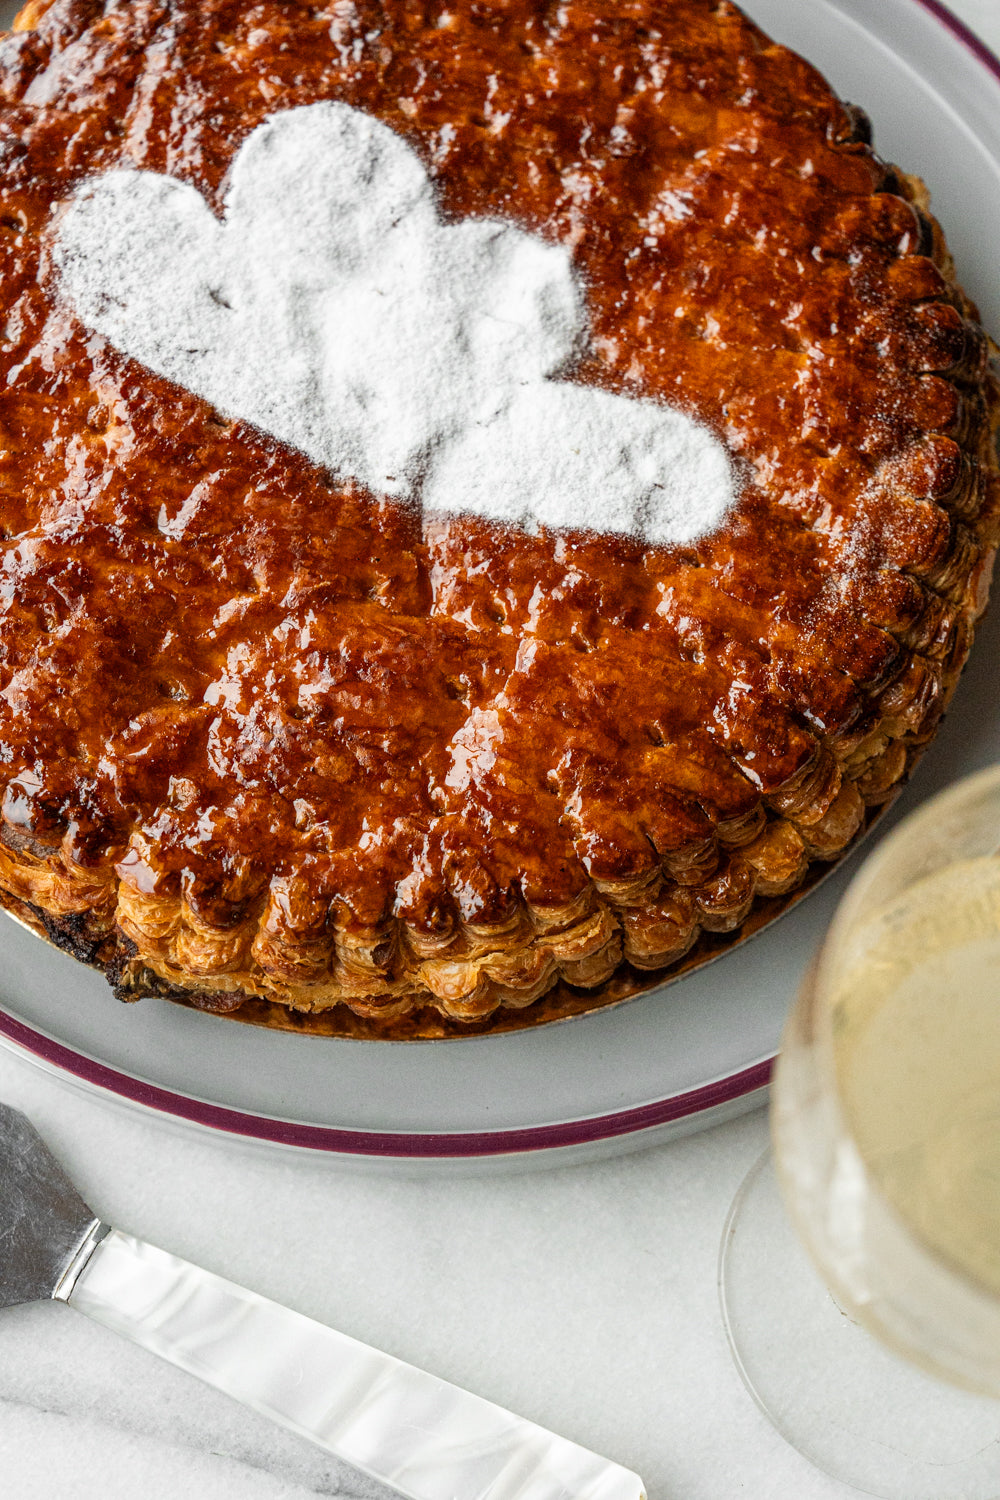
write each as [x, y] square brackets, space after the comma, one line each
[333, 308]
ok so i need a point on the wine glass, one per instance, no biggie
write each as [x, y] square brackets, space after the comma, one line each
[885, 1122]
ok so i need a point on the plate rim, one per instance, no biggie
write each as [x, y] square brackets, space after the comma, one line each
[964, 33]
[588, 1130]
[402, 1145]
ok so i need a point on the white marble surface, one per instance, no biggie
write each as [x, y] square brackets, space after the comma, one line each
[583, 1297]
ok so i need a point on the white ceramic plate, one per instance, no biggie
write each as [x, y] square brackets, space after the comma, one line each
[672, 1060]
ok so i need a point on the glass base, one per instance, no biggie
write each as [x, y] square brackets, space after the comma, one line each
[849, 1405]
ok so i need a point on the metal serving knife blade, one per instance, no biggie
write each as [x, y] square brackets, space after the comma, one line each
[427, 1439]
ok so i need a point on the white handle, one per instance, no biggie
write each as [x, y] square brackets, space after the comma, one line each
[424, 1437]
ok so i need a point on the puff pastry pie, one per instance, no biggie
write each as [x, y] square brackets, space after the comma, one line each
[295, 751]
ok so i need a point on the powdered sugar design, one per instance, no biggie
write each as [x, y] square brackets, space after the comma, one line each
[333, 308]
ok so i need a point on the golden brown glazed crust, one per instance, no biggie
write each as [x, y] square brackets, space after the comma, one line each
[315, 749]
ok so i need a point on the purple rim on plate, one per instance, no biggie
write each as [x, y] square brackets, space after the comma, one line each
[455, 1144]
[965, 35]
[431, 1146]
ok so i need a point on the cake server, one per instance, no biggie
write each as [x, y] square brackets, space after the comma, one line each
[426, 1438]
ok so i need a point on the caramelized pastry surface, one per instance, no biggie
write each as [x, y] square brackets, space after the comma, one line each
[266, 735]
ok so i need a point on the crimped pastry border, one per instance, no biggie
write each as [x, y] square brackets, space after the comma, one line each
[425, 1022]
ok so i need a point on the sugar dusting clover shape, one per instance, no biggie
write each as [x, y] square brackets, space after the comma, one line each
[334, 309]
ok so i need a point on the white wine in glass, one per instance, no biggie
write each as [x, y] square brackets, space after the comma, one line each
[886, 1127]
